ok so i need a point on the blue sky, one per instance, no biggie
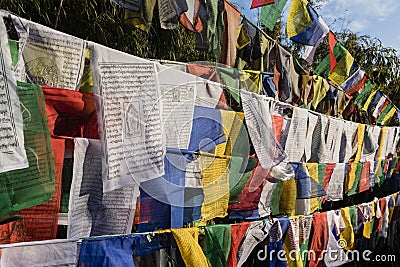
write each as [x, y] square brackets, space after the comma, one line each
[377, 18]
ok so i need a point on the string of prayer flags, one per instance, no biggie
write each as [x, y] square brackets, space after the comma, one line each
[298, 19]
[260, 3]
[270, 14]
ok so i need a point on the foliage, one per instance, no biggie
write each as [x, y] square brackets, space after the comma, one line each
[103, 22]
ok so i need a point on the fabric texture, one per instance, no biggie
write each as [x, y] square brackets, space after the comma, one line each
[298, 18]
[218, 244]
[260, 3]
[212, 133]
[238, 232]
[187, 241]
[18, 192]
[230, 35]
[270, 14]
[215, 27]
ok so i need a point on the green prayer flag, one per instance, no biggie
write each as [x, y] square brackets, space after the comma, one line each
[321, 175]
[276, 198]
[230, 78]
[25, 188]
[215, 27]
[353, 215]
[323, 69]
[384, 112]
[381, 174]
[363, 96]
[353, 189]
[218, 244]
[270, 14]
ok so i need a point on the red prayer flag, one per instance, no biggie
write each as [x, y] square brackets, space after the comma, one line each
[38, 222]
[259, 3]
[332, 40]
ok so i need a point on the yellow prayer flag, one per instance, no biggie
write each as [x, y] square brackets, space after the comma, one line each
[234, 133]
[341, 72]
[298, 19]
[215, 174]
[321, 86]
[287, 203]
[293, 257]
[243, 39]
[351, 177]
[381, 145]
[251, 80]
[313, 171]
[388, 116]
[367, 230]
[187, 241]
[360, 141]
[348, 232]
[369, 100]
[228, 118]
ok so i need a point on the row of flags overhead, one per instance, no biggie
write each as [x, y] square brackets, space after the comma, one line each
[305, 26]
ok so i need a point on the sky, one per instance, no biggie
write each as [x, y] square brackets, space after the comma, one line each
[376, 18]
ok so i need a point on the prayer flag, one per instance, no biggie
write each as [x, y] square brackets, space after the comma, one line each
[260, 3]
[312, 34]
[271, 13]
[298, 19]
